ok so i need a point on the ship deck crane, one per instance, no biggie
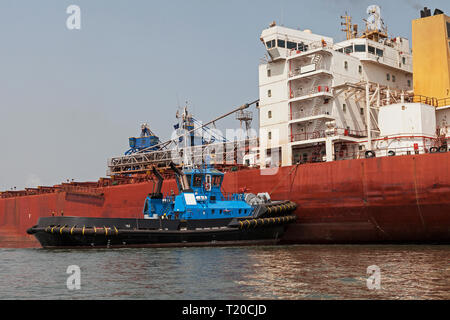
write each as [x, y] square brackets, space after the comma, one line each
[142, 161]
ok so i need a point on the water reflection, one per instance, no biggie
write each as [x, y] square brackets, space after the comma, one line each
[339, 272]
[287, 272]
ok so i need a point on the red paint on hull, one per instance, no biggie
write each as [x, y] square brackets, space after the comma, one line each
[391, 199]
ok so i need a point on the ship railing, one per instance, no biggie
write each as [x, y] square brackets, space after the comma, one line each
[302, 136]
[308, 136]
[347, 154]
[309, 113]
[300, 92]
[215, 153]
[29, 191]
[169, 198]
[81, 190]
[233, 196]
[443, 102]
[310, 159]
[424, 99]
[391, 152]
[429, 100]
[312, 46]
[350, 132]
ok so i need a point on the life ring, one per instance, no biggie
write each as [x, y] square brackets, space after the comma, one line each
[370, 154]
[391, 153]
[433, 149]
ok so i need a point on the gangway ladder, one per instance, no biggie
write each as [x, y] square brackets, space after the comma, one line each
[316, 60]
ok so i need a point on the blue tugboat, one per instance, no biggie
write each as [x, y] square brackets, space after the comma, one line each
[200, 215]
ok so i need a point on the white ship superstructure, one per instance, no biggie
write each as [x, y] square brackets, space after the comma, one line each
[322, 100]
[325, 101]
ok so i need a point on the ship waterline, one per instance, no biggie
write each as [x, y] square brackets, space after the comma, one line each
[403, 199]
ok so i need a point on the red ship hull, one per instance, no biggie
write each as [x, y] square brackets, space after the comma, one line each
[403, 199]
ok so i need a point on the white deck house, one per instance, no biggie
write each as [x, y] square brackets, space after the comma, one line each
[318, 99]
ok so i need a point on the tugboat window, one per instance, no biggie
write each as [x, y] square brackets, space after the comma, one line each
[371, 50]
[216, 180]
[197, 180]
[281, 43]
[188, 176]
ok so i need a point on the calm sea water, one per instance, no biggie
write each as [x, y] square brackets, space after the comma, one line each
[274, 272]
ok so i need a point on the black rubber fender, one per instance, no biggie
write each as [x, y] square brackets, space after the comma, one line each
[443, 149]
[369, 154]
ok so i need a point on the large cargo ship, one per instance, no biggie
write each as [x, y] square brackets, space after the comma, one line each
[354, 132]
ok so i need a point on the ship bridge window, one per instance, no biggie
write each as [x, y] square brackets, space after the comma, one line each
[348, 49]
[281, 43]
[197, 180]
[216, 181]
[448, 29]
[371, 50]
[291, 45]
[379, 52]
[360, 48]
[270, 44]
[302, 47]
[340, 50]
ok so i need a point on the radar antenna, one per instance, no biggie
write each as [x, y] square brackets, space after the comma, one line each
[375, 27]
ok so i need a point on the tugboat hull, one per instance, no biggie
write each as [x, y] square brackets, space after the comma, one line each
[76, 232]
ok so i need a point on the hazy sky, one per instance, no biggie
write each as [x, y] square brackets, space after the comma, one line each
[71, 98]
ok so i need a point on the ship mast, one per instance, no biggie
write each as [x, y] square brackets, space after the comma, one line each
[350, 30]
